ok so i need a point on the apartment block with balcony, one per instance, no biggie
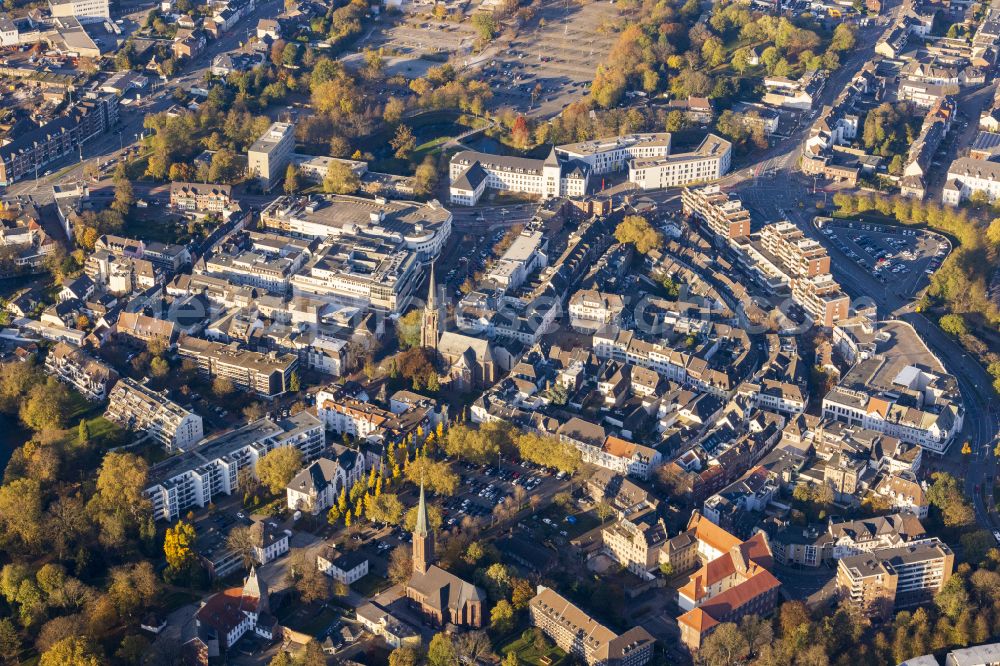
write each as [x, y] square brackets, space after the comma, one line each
[722, 213]
[884, 580]
[804, 257]
[194, 478]
[138, 408]
[31, 150]
[73, 366]
[582, 636]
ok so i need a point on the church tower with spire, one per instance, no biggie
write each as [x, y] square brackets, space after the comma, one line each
[430, 328]
[423, 540]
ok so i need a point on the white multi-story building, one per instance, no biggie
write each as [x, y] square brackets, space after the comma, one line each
[255, 269]
[195, 477]
[912, 405]
[138, 408]
[710, 160]
[967, 176]
[472, 173]
[85, 11]
[8, 32]
[614, 154]
[343, 567]
[269, 155]
[348, 416]
[524, 256]
[590, 310]
[272, 545]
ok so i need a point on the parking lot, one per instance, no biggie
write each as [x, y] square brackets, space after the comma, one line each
[485, 488]
[553, 61]
[417, 35]
[900, 258]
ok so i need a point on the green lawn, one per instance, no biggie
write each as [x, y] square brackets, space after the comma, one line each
[308, 619]
[370, 585]
[524, 647]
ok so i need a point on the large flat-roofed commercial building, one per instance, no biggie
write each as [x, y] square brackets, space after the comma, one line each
[267, 375]
[269, 155]
[195, 477]
[139, 408]
[361, 271]
[722, 213]
[584, 637]
[421, 227]
[884, 580]
[912, 404]
[85, 11]
[710, 160]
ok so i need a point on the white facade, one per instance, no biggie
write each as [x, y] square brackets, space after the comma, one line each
[354, 569]
[85, 11]
[967, 176]
[136, 407]
[711, 160]
[194, 478]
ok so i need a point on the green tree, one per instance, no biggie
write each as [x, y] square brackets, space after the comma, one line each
[408, 328]
[278, 466]
[46, 406]
[485, 25]
[178, 545]
[724, 646]
[403, 142]
[441, 651]
[425, 178]
[404, 656]
[502, 616]
[73, 651]
[10, 642]
[637, 230]
[386, 508]
[946, 495]
[340, 179]
[292, 185]
[953, 324]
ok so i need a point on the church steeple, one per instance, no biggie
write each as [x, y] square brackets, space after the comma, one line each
[430, 328]
[255, 588]
[423, 540]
